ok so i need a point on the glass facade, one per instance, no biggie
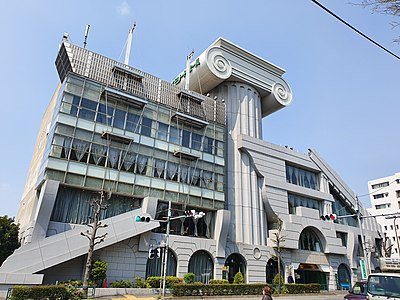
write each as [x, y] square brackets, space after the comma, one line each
[301, 177]
[310, 241]
[340, 208]
[296, 200]
[137, 157]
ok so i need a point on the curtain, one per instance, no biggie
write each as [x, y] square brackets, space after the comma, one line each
[153, 266]
[114, 157]
[80, 148]
[195, 176]
[207, 177]
[130, 159]
[184, 173]
[202, 266]
[207, 220]
[160, 165]
[172, 170]
[142, 163]
[97, 153]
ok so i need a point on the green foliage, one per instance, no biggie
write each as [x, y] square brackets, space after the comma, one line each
[154, 281]
[122, 284]
[278, 279]
[199, 289]
[77, 283]
[50, 292]
[8, 237]
[99, 270]
[218, 281]
[188, 278]
[238, 278]
[140, 283]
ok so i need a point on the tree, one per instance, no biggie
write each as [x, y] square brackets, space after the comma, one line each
[8, 237]
[91, 234]
[278, 240]
[386, 7]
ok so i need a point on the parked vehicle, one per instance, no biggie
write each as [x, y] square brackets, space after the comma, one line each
[358, 292]
[383, 286]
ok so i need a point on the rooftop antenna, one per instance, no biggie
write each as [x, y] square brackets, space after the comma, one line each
[188, 58]
[129, 43]
[86, 35]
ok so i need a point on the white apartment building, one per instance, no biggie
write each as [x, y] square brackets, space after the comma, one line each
[385, 200]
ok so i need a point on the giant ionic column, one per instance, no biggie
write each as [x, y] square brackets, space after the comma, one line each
[251, 89]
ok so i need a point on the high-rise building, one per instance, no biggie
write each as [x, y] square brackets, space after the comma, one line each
[385, 205]
[147, 144]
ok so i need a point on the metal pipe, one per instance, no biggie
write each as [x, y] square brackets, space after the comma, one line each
[166, 248]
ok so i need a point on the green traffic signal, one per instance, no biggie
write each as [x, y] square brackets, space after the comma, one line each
[142, 219]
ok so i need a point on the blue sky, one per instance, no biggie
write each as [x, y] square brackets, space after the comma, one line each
[345, 89]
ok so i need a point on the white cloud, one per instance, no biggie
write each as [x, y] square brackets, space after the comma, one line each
[124, 9]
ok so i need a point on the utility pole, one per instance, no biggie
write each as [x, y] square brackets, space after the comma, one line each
[362, 237]
[166, 247]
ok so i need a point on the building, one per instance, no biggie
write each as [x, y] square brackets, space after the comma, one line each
[385, 204]
[148, 143]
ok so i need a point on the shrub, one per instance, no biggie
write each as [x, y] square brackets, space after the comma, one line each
[218, 281]
[187, 290]
[154, 281]
[99, 270]
[277, 278]
[122, 284]
[51, 292]
[238, 279]
[140, 282]
[188, 278]
[295, 288]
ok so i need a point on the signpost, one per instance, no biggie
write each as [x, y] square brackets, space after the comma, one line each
[364, 274]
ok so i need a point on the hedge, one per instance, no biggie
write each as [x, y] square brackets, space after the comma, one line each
[51, 292]
[199, 289]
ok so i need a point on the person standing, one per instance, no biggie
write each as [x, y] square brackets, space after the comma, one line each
[267, 293]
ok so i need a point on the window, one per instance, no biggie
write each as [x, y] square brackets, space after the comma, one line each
[385, 227]
[302, 177]
[378, 196]
[391, 227]
[295, 201]
[202, 266]
[380, 185]
[146, 126]
[382, 206]
[310, 241]
[398, 194]
[343, 237]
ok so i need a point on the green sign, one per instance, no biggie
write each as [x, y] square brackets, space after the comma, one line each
[178, 79]
[363, 266]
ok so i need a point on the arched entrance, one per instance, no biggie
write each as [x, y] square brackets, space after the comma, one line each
[235, 263]
[202, 266]
[271, 270]
[311, 273]
[343, 277]
[153, 266]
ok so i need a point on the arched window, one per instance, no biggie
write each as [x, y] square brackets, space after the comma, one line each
[202, 266]
[153, 266]
[309, 240]
[344, 279]
[235, 263]
[271, 269]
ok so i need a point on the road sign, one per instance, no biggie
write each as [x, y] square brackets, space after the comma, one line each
[363, 266]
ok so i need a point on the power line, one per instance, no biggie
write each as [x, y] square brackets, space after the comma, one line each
[355, 29]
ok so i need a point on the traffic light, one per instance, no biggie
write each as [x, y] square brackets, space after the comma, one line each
[190, 213]
[332, 217]
[158, 252]
[142, 219]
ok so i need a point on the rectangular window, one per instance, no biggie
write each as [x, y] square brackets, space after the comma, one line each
[378, 196]
[343, 237]
[302, 177]
[174, 135]
[146, 126]
[398, 194]
[162, 132]
[380, 185]
[196, 141]
[104, 113]
[185, 138]
[88, 109]
[119, 119]
[132, 122]
[385, 227]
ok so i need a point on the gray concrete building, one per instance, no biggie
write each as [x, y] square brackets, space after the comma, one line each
[147, 143]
